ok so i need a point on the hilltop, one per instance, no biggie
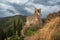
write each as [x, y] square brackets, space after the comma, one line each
[50, 30]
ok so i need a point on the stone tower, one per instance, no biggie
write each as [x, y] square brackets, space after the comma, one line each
[33, 20]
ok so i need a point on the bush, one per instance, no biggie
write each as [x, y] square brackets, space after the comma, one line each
[14, 37]
[21, 38]
[29, 31]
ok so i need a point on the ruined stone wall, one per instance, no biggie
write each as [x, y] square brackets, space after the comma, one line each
[35, 19]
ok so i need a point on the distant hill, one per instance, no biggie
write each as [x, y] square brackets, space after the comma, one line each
[7, 24]
[7, 21]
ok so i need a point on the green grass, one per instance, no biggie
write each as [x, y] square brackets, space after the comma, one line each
[14, 37]
[30, 31]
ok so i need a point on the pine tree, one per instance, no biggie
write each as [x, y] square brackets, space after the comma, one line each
[19, 27]
[14, 28]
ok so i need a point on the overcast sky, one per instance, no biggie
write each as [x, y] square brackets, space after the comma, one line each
[26, 7]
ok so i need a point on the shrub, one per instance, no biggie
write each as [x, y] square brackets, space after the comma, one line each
[29, 31]
[21, 38]
[14, 37]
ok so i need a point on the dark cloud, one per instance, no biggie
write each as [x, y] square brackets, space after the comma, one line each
[11, 7]
[20, 9]
[47, 2]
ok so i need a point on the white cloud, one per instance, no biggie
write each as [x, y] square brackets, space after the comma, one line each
[53, 1]
[4, 6]
[29, 9]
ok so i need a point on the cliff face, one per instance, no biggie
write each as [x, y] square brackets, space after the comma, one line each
[33, 20]
[51, 31]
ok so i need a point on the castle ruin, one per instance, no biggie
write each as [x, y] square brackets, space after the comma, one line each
[34, 20]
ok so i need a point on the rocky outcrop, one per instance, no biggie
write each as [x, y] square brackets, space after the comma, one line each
[52, 16]
[33, 20]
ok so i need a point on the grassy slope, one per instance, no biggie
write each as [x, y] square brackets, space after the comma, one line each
[51, 31]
